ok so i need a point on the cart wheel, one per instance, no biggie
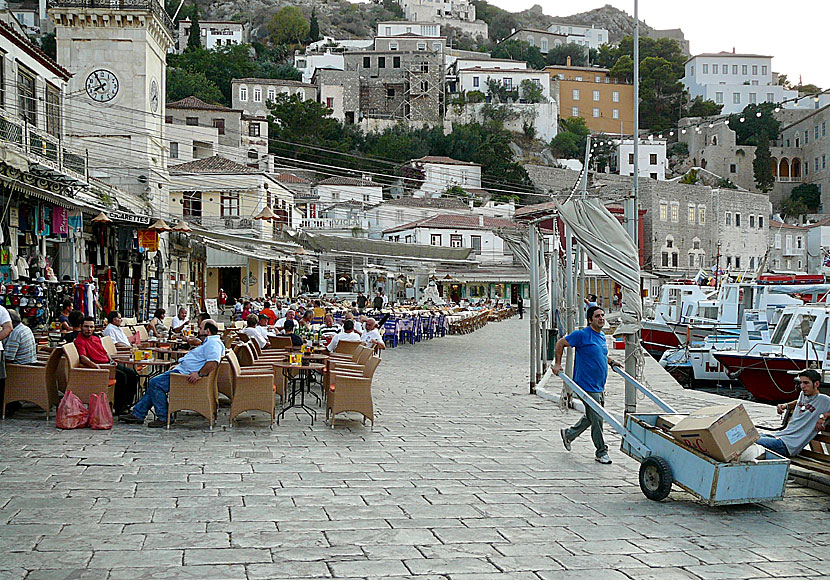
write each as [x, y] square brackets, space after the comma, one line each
[655, 478]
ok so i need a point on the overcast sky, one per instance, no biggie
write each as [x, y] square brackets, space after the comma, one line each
[793, 34]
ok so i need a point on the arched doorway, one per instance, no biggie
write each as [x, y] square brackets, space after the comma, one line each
[796, 173]
[775, 168]
[784, 169]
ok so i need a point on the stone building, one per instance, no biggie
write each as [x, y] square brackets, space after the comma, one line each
[457, 13]
[787, 247]
[714, 149]
[587, 36]
[801, 156]
[543, 39]
[339, 90]
[212, 33]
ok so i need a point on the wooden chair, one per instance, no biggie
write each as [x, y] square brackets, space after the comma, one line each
[201, 397]
[29, 383]
[251, 392]
[85, 382]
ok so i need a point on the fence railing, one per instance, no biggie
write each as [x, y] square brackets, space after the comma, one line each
[148, 5]
[42, 147]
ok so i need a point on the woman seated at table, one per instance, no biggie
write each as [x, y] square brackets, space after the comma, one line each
[156, 327]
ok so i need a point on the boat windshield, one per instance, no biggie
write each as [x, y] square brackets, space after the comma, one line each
[821, 337]
[801, 329]
[780, 328]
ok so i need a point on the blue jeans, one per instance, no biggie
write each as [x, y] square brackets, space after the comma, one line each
[155, 397]
[774, 444]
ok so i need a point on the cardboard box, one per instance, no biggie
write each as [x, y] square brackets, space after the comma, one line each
[722, 432]
[667, 422]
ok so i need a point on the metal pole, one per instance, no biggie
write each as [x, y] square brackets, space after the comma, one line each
[569, 299]
[585, 166]
[534, 295]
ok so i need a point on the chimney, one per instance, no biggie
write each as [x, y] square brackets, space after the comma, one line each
[733, 50]
[568, 62]
[481, 220]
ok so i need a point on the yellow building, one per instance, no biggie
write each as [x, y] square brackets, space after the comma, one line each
[606, 104]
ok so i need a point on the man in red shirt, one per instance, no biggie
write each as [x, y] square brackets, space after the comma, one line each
[93, 354]
[272, 316]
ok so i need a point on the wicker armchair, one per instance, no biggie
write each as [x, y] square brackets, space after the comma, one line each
[281, 342]
[251, 392]
[29, 383]
[350, 393]
[346, 347]
[201, 396]
[85, 381]
[250, 364]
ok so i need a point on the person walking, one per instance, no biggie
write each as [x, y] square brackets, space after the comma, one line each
[520, 306]
[590, 373]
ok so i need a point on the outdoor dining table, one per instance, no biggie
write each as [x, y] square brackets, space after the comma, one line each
[154, 366]
[299, 384]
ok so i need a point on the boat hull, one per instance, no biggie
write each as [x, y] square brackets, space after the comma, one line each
[658, 338]
[770, 379]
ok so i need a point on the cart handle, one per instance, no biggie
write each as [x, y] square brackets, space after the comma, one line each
[635, 443]
[643, 389]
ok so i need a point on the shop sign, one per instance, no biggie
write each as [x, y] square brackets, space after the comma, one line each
[132, 218]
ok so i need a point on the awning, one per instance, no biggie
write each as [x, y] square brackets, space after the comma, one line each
[217, 258]
[223, 255]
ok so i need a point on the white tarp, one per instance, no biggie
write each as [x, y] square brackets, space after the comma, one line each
[519, 243]
[611, 249]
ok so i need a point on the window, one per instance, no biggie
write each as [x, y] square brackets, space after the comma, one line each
[544, 45]
[422, 46]
[753, 98]
[806, 136]
[595, 113]
[800, 330]
[770, 97]
[789, 244]
[219, 124]
[696, 244]
[243, 94]
[168, 119]
[253, 130]
[664, 211]
[719, 97]
[706, 69]
[272, 95]
[475, 82]
[455, 240]
[192, 121]
[823, 123]
[388, 31]
[367, 62]
[734, 69]
[615, 113]
[390, 92]
[798, 242]
[763, 69]
[436, 46]
[714, 69]
[576, 94]
[736, 98]
[531, 41]
[615, 96]
[737, 261]
[257, 95]
[653, 175]
[692, 213]
[824, 161]
[728, 261]
[652, 159]
[381, 62]
[393, 45]
[475, 242]
[816, 164]
[26, 98]
[744, 69]
[777, 241]
[675, 211]
[53, 110]
[693, 72]
[692, 262]
[435, 239]
[508, 82]
[728, 219]
[737, 220]
[754, 70]
[751, 221]
[330, 102]
[701, 214]
[665, 259]
[192, 204]
[631, 159]
[230, 204]
[596, 96]
[174, 150]
[574, 111]
[675, 261]
[396, 62]
[760, 222]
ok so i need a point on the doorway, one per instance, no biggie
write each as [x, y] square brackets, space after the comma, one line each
[515, 289]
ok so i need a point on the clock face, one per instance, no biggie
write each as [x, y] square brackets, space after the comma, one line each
[154, 96]
[101, 85]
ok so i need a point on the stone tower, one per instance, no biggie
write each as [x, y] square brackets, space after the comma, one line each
[115, 106]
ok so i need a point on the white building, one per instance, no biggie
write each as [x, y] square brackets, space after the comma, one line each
[441, 173]
[456, 13]
[788, 251]
[734, 80]
[652, 158]
[588, 36]
[251, 95]
[212, 33]
[457, 231]
[308, 63]
[399, 28]
[476, 79]
[339, 189]
[544, 40]
[335, 44]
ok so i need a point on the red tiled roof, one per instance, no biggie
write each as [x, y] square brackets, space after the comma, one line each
[444, 160]
[197, 104]
[455, 222]
[215, 164]
[775, 224]
[289, 178]
[348, 181]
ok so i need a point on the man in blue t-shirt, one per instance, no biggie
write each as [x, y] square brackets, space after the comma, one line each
[590, 373]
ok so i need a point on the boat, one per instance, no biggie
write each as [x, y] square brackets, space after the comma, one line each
[768, 369]
[675, 304]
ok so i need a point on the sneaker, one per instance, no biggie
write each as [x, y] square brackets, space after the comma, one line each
[130, 419]
[565, 440]
[158, 423]
[604, 459]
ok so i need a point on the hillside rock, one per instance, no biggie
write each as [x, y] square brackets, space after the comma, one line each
[617, 22]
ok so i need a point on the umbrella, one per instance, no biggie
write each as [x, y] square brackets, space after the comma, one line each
[266, 214]
[181, 226]
[101, 218]
[160, 226]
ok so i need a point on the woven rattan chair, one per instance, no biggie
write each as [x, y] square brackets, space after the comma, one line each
[346, 347]
[109, 345]
[281, 342]
[201, 397]
[85, 381]
[250, 364]
[251, 392]
[350, 393]
[29, 383]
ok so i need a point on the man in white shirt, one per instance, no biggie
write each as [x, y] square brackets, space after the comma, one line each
[289, 315]
[5, 331]
[252, 330]
[348, 335]
[113, 330]
[372, 337]
[179, 321]
[358, 328]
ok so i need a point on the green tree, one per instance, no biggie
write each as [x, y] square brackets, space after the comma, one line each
[700, 108]
[569, 142]
[194, 38]
[793, 207]
[603, 148]
[531, 92]
[558, 55]
[809, 195]
[394, 8]
[762, 166]
[499, 93]
[313, 27]
[623, 69]
[182, 83]
[288, 26]
[520, 50]
[755, 124]
[500, 22]
[49, 45]
[220, 65]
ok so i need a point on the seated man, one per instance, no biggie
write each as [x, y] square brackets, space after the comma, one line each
[289, 315]
[329, 329]
[19, 346]
[196, 364]
[113, 330]
[371, 337]
[93, 354]
[76, 319]
[272, 316]
[253, 332]
[289, 331]
[347, 335]
[179, 321]
[804, 421]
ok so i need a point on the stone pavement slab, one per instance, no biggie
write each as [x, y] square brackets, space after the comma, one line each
[462, 478]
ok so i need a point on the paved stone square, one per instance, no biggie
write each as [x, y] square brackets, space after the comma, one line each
[463, 478]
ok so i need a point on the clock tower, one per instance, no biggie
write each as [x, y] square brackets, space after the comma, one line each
[114, 104]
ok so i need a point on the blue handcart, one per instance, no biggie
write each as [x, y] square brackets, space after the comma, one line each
[665, 461]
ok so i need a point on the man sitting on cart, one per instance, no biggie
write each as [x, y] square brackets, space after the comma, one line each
[804, 418]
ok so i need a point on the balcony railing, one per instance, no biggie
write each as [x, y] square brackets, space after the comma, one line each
[145, 5]
[329, 224]
[42, 148]
[788, 179]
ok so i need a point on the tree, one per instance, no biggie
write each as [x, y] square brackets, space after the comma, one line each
[755, 124]
[394, 8]
[194, 38]
[603, 148]
[623, 69]
[520, 50]
[762, 166]
[288, 26]
[531, 92]
[49, 45]
[700, 108]
[558, 55]
[793, 207]
[220, 65]
[809, 195]
[569, 142]
[313, 27]
[182, 83]
[499, 93]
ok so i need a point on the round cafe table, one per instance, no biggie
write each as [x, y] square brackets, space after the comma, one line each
[299, 383]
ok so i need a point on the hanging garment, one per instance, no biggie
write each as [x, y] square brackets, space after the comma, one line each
[109, 296]
[75, 220]
[60, 223]
[91, 296]
[22, 267]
